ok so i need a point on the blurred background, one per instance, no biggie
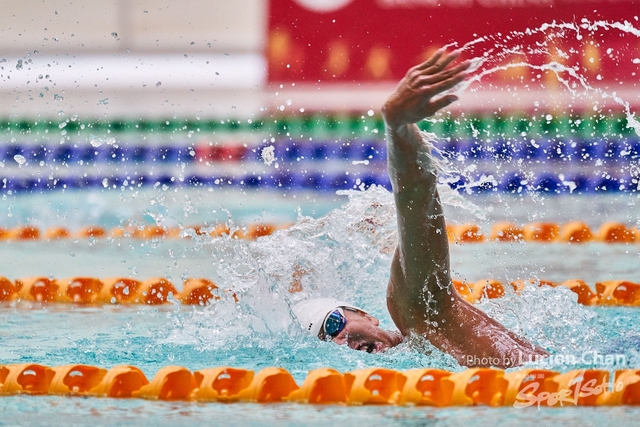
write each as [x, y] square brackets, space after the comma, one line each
[192, 91]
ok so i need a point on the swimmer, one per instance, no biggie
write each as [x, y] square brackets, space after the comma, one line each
[420, 295]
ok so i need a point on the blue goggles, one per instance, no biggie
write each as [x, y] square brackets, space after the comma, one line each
[334, 323]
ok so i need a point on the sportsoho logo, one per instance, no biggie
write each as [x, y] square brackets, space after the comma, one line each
[323, 6]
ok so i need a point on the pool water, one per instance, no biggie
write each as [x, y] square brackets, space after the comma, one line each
[343, 242]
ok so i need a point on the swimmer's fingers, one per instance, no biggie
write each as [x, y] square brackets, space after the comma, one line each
[444, 62]
[431, 61]
[444, 85]
[426, 80]
[439, 104]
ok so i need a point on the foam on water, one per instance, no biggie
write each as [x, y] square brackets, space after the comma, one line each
[347, 254]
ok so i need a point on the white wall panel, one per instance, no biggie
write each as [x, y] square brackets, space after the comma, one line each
[72, 27]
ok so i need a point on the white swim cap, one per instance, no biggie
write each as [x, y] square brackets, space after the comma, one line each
[311, 313]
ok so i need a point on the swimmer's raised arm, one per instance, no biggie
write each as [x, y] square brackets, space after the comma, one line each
[420, 295]
[420, 270]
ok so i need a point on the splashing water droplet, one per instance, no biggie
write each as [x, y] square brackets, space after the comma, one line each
[19, 158]
[97, 142]
[268, 155]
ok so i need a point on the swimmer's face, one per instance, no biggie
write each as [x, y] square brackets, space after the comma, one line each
[361, 332]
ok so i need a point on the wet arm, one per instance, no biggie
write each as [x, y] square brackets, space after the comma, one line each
[423, 250]
[420, 269]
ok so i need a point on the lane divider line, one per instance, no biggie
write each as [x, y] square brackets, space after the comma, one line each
[202, 291]
[369, 386]
[573, 232]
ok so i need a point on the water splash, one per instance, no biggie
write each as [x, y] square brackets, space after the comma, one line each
[524, 44]
[20, 159]
[96, 141]
[347, 253]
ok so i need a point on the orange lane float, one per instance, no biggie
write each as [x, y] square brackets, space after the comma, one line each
[119, 290]
[57, 233]
[374, 386]
[321, 386]
[92, 231]
[199, 292]
[380, 386]
[259, 230]
[615, 232]
[464, 289]
[170, 383]
[541, 232]
[120, 381]
[27, 378]
[575, 232]
[526, 385]
[506, 232]
[566, 388]
[487, 288]
[465, 233]
[426, 387]
[585, 295]
[474, 292]
[478, 386]
[155, 290]
[151, 232]
[79, 290]
[119, 233]
[519, 285]
[625, 390]
[270, 385]
[39, 289]
[8, 289]
[24, 232]
[221, 384]
[75, 379]
[618, 292]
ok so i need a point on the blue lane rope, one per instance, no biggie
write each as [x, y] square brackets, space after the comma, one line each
[324, 165]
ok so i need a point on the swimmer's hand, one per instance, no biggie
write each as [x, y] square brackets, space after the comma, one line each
[415, 97]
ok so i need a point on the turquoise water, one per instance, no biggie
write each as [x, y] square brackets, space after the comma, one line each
[344, 243]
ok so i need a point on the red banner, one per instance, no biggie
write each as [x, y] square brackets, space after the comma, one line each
[378, 40]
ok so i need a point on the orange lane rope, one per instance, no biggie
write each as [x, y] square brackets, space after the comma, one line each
[112, 290]
[31, 232]
[377, 386]
[607, 293]
[575, 232]
[201, 291]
